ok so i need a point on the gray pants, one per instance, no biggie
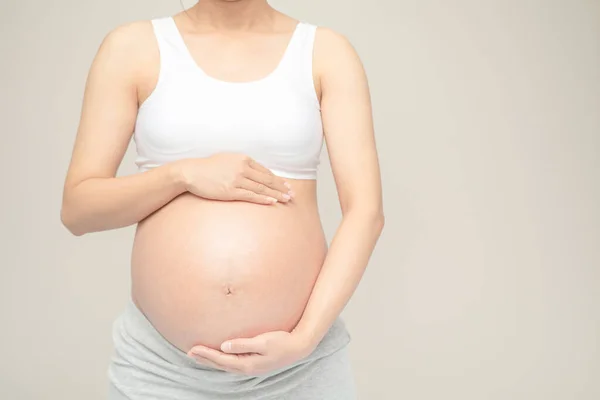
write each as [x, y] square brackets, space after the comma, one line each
[145, 366]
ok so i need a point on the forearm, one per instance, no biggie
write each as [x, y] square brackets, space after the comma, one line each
[98, 204]
[341, 273]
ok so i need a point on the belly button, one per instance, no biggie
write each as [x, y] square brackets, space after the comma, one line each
[228, 291]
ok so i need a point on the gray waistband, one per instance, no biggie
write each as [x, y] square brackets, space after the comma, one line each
[141, 350]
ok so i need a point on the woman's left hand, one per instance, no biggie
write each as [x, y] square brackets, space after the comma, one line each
[254, 356]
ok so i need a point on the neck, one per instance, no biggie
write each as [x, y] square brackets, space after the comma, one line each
[232, 15]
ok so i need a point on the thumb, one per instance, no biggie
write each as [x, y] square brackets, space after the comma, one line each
[241, 346]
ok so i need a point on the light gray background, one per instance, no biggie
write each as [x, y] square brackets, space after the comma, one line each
[485, 283]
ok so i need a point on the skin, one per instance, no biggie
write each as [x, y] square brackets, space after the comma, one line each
[95, 199]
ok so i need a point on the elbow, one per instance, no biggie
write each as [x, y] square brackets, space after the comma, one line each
[70, 217]
[372, 215]
[70, 221]
[379, 219]
[376, 217]
[374, 220]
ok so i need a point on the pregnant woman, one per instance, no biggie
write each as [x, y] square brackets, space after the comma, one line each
[235, 292]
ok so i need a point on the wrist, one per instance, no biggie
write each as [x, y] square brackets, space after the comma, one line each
[177, 175]
[307, 339]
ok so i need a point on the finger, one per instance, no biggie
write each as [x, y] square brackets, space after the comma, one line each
[206, 362]
[252, 197]
[230, 361]
[252, 163]
[263, 189]
[241, 346]
[209, 363]
[267, 178]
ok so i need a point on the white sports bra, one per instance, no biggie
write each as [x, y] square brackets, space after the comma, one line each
[276, 120]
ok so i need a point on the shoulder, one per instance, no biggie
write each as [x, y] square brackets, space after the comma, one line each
[128, 47]
[331, 39]
[334, 51]
[127, 37]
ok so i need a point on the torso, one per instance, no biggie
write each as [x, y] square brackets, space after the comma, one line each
[206, 271]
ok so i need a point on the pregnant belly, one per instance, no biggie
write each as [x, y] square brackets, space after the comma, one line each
[206, 271]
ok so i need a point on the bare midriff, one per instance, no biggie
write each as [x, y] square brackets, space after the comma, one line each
[205, 271]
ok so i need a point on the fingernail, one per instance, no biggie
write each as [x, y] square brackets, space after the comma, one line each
[287, 185]
[286, 196]
[292, 193]
[272, 200]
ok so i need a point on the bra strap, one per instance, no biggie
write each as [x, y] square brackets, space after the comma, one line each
[172, 49]
[298, 63]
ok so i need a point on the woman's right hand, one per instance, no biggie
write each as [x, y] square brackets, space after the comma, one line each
[233, 176]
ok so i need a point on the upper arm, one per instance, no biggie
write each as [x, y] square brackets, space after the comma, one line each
[347, 121]
[109, 106]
